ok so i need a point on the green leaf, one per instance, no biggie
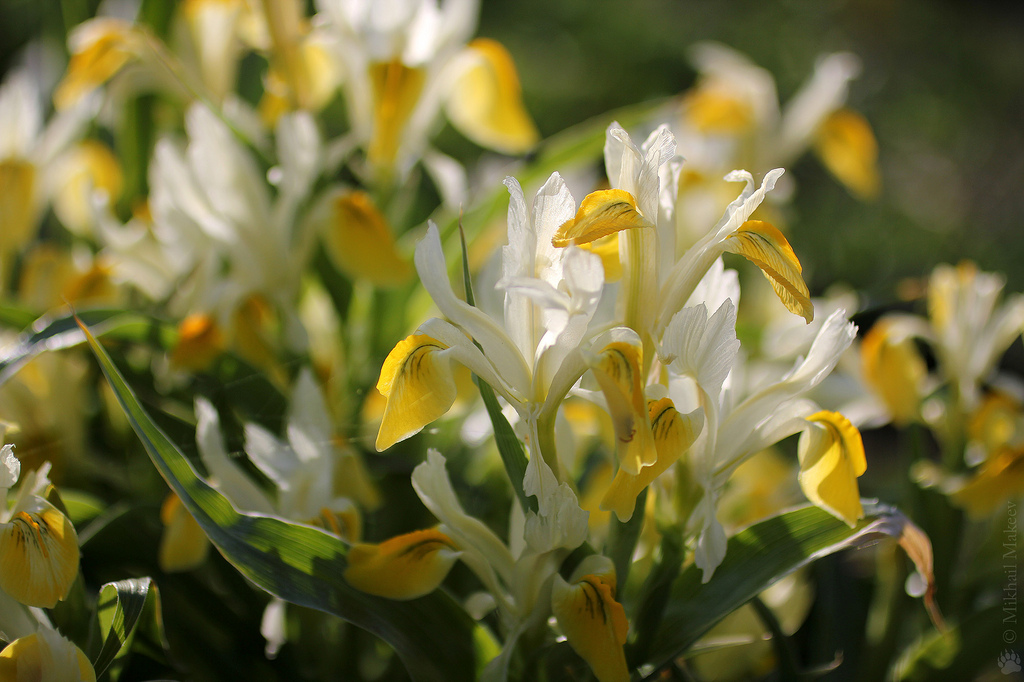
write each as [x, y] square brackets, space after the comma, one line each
[56, 333]
[755, 559]
[304, 565]
[120, 610]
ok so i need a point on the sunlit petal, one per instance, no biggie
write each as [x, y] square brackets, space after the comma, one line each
[600, 214]
[183, 545]
[831, 458]
[847, 146]
[894, 369]
[359, 242]
[486, 102]
[396, 90]
[418, 382]
[38, 555]
[404, 567]
[45, 656]
[763, 245]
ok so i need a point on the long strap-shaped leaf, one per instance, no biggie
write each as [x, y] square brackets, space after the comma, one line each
[304, 565]
[120, 609]
[755, 559]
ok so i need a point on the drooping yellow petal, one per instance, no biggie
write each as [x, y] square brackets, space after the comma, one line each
[200, 342]
[763, 245]
[486, 103]
[321, 80]
[999, 479]
[594, 623]
[183, 544]
[895, 370]
[713, 110]
[17, 205]
[831, 458]
[618, 369]
[396, 90]
[38, 556]
[997, 423]
[419, 385]
[601, 213]
[102, 47]
[89, 168]
[673, 433]
[848, 149]
[44, 656]
[404, 567]
[253, 328]
[359, 242]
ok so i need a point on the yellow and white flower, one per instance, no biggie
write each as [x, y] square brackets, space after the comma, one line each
[38, 543]
[47, 656]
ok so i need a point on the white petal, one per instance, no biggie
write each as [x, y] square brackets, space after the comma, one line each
[230, 479]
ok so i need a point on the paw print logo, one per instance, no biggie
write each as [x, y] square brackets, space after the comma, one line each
[1009, 662]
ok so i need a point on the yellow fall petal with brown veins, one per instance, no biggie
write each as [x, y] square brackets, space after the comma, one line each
[396, 90]
[601, 213]
[359, 242]
[183, 544]
[594, 623]
[895, 370]
[848, 148]
[38, 556]
[486, 102]
[618, 369]
[673, 433]
[404, 567]
[763, 245]
[831, 458]
[419, 385]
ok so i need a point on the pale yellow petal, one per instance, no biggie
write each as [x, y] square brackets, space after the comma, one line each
[17, 205]
[618, 369]
[38, 556]
[396, 90]
[404, 567]
[419, 385]
[607, 248]
[359, 242]
[28, 658]
[831, 458]
[601, 213]
[183, 544]
[713, 110]
[105, 47]
[594, 623]
[848, 149]
[763, 245]
[999, 479]
[486, 103]
[673, 434]
[895, 370]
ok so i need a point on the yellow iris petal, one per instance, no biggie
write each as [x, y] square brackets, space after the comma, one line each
[183, 545]
[607, 248]
[38, 556]
[763, 245]
[894, 370]
[999, 479]
[619, 374]
[396, 90]
[200, 342]
[673, 434]
[831, 458]
[714, 111]
[360, 244]
[17, 205]
[601, 213]
[404, 567]
[594, 623]
[419, 385]
[41, 657]
[848, 148]
[486, 103]
[106, 48]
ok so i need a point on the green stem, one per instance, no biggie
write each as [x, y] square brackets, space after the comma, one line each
[789, 668]
[622, 540]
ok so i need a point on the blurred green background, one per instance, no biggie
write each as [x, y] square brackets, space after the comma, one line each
[942, 84]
